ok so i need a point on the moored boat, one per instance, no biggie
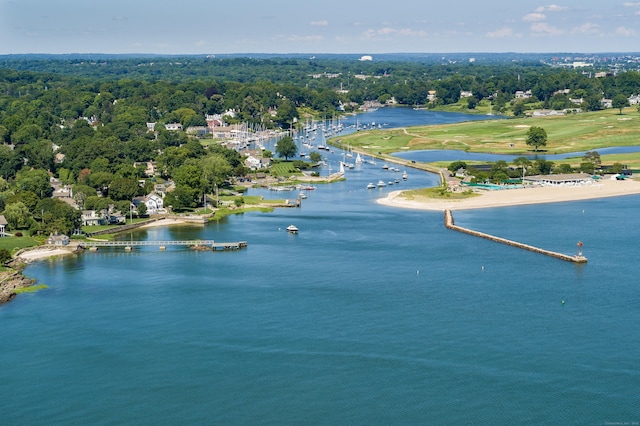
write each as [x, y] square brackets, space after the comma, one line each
[292, 229]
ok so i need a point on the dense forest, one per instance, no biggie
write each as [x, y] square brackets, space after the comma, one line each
[84, 122]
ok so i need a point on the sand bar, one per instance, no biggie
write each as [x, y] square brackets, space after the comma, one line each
[513, 197]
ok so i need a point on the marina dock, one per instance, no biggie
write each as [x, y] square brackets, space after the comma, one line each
[449, 223]
[196, 244]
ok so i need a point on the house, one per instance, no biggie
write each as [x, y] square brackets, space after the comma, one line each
[257, 163]
[58, 240]
[173, 127]
[117, 218]
[93, 218]
[3, 225]
[520, 94]
[154, 203]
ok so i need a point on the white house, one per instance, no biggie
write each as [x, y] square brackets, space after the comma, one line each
[154, 203]
[173, 126]
[3, 225]
[92, 218]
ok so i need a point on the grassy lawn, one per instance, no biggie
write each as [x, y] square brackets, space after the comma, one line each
[16, 243]
[574, 132]
[437, 192]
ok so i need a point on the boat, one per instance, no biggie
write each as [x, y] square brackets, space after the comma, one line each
[292, 229]
[397, 181]
[302, 195]
[381, 183]
[390, 182]
[385, 166]
[370, 185]
[404, 175]
[359, 159]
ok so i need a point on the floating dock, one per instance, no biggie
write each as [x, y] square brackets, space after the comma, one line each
[449, 223]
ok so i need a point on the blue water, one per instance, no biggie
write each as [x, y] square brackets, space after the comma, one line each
[370, 315]
[429, 156]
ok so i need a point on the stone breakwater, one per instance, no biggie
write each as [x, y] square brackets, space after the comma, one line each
[449, 223]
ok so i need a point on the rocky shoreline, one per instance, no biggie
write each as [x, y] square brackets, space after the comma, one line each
[12, 279]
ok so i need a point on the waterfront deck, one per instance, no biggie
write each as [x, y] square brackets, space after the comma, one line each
[449, 223]
[197, 244]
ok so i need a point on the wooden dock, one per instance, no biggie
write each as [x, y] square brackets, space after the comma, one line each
[448, 222]
[196, 244]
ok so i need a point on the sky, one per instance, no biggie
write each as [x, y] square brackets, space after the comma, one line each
[328, 26]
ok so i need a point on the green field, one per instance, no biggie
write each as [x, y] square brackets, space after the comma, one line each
[573, 132]
[16, 243]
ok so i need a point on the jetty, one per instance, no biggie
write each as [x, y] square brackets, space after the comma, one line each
[196, 244]
[449, 223]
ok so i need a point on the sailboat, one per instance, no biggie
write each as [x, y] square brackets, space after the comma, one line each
[359, 159]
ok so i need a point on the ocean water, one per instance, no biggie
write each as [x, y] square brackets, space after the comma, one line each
[370, 315]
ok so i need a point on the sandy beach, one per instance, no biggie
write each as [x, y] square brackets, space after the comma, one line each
[42, 253]
[511, 197]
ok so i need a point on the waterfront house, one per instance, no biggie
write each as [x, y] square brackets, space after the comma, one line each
[58, 240]
[93, 218]
[3, 225]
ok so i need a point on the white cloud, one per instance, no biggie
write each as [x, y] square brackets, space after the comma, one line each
[323, 23]
[631, 4]
[542, 28]
[306, 39]
[552, 8]
[534, 17]
[504, 32]
[408, 32]
[626, 32]
[388, 31]
[587, 28]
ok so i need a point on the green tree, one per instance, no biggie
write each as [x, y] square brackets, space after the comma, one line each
[123, 188]
[286, 147]
[315, 157]
[18, 215]
[58, 217]
[536, 137]
[620, 101]
[457, 165]
[34, 180]
[215, 170]
[593, 157]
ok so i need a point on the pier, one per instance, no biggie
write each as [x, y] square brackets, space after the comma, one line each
[196, 244]
[449, 223]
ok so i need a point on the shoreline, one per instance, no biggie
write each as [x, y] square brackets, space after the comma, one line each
[515, 197]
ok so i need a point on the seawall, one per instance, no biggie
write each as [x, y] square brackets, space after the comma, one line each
[449, 223]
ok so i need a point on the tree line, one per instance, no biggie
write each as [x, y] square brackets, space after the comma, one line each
[86, 123]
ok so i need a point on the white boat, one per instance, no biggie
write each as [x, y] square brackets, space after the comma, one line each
[385, 166]
[302, 195]
[404, 175]
[292, 229]
[381, 183]
[359, 159]
[390, 183]
[370, 185]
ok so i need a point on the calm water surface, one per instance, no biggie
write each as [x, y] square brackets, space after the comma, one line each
[371, 315]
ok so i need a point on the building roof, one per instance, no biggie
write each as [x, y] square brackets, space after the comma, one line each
[3, 220]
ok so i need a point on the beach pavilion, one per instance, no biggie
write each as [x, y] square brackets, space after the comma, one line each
[570, 179]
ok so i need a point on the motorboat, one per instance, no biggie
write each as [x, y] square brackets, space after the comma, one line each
[292, 229]
[370, 185]
[381, 183]
[404, 175]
